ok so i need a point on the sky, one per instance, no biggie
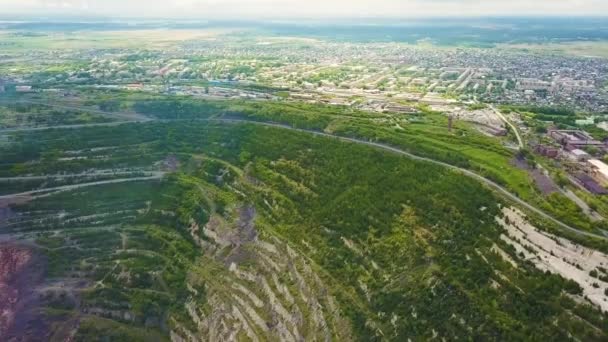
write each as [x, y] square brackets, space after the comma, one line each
[302, 9]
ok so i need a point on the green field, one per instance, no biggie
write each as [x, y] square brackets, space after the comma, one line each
[579, 49]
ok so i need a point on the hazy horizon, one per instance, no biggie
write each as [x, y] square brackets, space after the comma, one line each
[295, 9]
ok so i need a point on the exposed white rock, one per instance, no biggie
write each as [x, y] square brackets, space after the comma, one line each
[556, 255]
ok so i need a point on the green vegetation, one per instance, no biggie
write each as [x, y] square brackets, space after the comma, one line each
[167, 184]
[563, 117]
[424, 134]
[99, 329]
[404, 247]
[34, 115]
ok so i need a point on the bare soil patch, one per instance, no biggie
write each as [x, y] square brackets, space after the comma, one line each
[22, 271]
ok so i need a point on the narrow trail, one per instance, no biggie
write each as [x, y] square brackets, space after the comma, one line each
[493, 185]
[520, 141]
[82, 175]
[130, 116]
[78, 186]
[124, 239]
[122, 117]
[46, 128]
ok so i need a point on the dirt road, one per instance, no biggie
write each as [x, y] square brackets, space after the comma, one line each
[501, 190]
[520, 141]
[32, 193]
[83, 175]
[493, 185]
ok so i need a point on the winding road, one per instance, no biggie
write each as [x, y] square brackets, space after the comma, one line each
[131, 116]
[503, 191]
[82, 175]
[520, 141]
[493, 185]
[78, 186]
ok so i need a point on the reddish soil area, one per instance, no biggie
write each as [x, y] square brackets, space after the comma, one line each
[171, 163]
[21, 272]
[544, 183]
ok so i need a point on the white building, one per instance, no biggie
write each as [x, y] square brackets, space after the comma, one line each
[600, 171]
[578, 155]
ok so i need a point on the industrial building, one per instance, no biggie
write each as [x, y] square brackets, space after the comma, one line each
[532, 84]
[574, 139]
[547, 151]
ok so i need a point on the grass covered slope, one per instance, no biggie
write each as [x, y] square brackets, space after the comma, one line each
[263, 233]
[424, 134]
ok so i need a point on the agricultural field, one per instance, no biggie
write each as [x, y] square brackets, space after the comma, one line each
[83, 39]
[580, 49]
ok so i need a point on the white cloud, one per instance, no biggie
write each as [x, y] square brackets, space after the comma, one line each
[250, 9]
